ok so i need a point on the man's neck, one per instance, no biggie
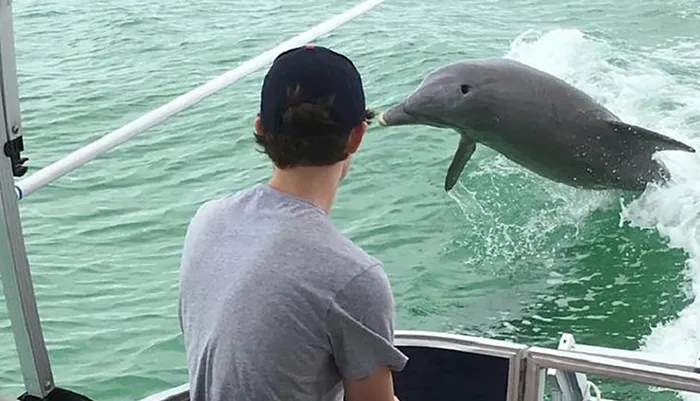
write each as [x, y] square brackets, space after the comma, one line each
[315, 184]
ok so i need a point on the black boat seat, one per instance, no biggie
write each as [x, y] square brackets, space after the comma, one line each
[439, 374]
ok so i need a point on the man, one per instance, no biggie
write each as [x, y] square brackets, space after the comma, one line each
[275, 303]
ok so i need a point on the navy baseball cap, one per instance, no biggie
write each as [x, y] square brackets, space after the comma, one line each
[320, 73]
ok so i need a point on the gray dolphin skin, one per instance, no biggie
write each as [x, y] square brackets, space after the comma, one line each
[536, 120]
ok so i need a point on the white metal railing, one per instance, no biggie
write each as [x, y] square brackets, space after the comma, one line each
[539, 359]
[567, 343]
[89, 152]
[573, 386]
[14, 266]
[526, 376]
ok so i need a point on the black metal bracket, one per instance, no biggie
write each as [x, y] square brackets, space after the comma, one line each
[13, 149]
[57, 394]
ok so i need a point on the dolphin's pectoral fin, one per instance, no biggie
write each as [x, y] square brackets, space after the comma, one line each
[661, 142]
[464, 152]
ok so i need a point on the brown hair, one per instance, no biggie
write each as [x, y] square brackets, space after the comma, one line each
[324, 145]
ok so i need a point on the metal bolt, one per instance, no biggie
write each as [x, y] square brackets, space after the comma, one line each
[15, 129]
[48, 385]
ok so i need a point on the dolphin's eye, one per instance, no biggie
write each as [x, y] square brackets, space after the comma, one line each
[465, 89]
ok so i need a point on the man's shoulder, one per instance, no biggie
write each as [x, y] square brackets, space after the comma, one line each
[369, 286]
[353, 250]
[211, 207]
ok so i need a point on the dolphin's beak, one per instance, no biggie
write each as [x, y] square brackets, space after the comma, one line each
[396, 116]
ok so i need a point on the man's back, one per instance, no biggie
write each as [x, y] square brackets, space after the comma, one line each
[276, 304]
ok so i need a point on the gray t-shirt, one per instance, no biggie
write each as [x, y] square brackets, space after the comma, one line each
[278, 305]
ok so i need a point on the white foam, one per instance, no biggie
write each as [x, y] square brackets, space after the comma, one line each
[639, 91]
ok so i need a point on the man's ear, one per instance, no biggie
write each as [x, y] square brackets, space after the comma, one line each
[258, 125]
[356, 136]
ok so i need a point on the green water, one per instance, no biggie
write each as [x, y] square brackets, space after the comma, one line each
[507, 254]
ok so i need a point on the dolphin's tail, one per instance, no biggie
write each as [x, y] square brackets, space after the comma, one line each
[640, 145]
[653, 140]
[662, 174]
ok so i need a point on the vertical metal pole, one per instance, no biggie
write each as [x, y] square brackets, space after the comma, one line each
[534, 381]
[14, 266]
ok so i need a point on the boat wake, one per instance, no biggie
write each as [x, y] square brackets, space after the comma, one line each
[654, 89]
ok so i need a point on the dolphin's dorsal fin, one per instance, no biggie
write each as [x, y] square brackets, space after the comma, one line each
[464, 152]
[662, 142]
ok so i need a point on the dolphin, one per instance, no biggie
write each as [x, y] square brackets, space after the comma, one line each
[537, 121]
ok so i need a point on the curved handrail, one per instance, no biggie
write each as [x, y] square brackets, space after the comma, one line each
[529, 359]
[538, 358]
[458, 342]
[154, 117]
[407, 338]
